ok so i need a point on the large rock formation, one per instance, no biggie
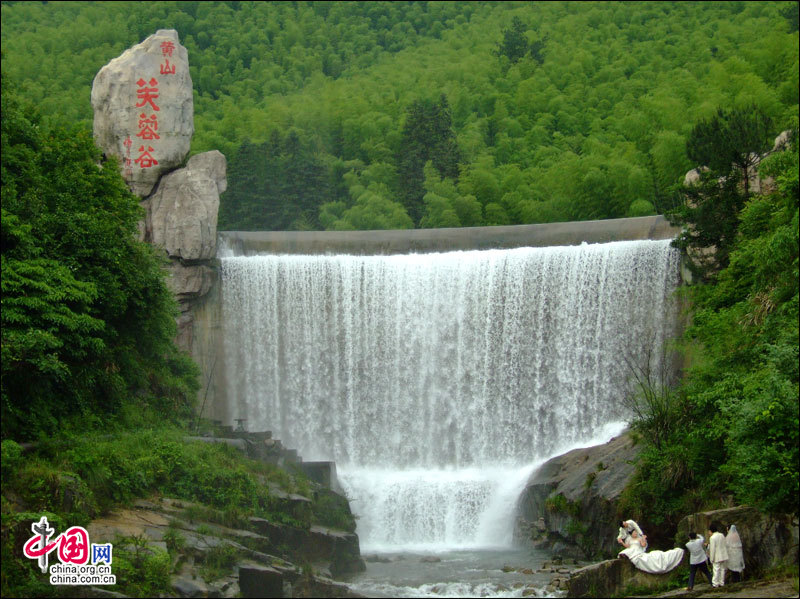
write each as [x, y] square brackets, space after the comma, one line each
[767, 540]
[616, 578]
[182, 212]
[570, 503]
[144, 115]
[144, 110]
[755, 183]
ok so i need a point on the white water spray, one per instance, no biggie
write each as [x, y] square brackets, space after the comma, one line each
[438, 381]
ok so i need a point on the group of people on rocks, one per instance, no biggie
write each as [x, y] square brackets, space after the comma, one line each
[724, 552]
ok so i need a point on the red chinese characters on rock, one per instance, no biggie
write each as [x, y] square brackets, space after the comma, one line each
[145, 159]
[147, 94]
[127, 163]
[166, 51]
[148, 127]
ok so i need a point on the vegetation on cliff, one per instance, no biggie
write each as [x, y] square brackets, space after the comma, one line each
[732, 425]
[529, 112]
[87, 319]
[73, 479]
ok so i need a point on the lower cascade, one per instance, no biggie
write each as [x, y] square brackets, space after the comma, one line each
[438, 382]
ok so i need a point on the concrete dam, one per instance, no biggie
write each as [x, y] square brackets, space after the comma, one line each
[436, 367]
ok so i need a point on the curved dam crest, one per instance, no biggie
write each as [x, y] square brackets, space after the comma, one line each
[252, 243]
[437, 381]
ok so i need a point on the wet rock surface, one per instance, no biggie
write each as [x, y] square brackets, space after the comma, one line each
[264, 551]
[570, 503]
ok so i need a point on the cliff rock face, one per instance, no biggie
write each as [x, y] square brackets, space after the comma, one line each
[182, 214]
[143, 109]
[570, 503]
[144, 115]
[767, 540]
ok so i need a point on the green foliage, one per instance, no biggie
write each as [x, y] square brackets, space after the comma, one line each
[731, 139]
[515, 43]
[87, 318]
[427, 135]
[726, 148]
[333, 510]
[218, 562]
[174, 540]
[592, 104]
[738, 434]
[141, 569]
[561, 505]
[651, 397]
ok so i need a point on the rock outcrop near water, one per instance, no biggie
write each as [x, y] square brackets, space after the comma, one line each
[767, 540]
[570, 504]
[144, 115]
[611, 578]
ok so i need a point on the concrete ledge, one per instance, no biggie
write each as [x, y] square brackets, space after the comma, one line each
[250, 243]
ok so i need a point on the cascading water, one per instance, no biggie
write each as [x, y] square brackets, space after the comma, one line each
[437, 381]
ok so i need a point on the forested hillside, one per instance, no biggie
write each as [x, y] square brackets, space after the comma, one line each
[361, 115]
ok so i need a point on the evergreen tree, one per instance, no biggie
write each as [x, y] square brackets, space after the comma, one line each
[515, 43]
[727, 147]
[427, 135]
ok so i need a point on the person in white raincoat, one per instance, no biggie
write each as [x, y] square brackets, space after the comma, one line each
[718, 554]
[735, 554]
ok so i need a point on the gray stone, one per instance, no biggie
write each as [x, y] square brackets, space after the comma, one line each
[612, 577]
[135, 84]
[607, 469]
[98, 593]
[317, 545]
[767, 540]
[182, 214]
[783, 141]
[260, 581]
[186, 587]
[187, 282]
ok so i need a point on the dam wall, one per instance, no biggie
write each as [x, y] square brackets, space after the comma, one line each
[251, 243]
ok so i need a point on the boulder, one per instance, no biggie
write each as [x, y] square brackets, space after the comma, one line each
[318, 545]
[188, 282]
[182, 212]
[693, 176]
[570, 503]
[767, 540]
[144, 110]
[260, 581]
[611, 578]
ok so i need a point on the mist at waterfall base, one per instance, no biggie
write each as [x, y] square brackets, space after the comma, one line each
[438, 382]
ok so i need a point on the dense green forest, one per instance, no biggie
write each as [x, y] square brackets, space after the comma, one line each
[329, 112]
[727, 433]
[87, 319]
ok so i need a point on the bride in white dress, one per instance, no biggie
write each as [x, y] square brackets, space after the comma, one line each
[655, 562]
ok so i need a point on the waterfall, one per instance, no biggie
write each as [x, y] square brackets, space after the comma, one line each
[436, 381]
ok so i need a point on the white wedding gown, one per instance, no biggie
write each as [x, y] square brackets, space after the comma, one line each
[655, 562]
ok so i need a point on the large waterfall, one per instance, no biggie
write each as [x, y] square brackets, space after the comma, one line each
[437, 381]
